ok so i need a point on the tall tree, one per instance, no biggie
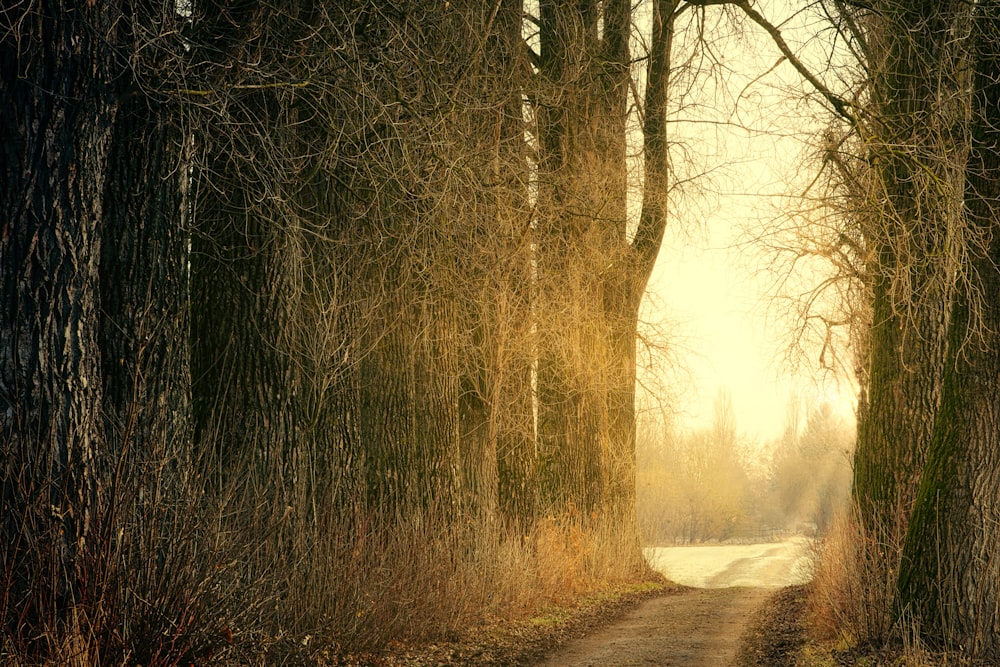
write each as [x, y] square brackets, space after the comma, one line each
[917, 147]
[59, 72]
[143, 332]
[949, 573]
[240, 289]
[591, 271]
[494, 286]
[570, 228]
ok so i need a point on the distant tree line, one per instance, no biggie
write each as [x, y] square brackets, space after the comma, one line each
[716, 485]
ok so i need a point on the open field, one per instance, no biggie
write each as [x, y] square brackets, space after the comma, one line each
[770, 565]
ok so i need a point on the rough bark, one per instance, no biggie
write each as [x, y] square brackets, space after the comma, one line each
[143, 337]
[245, 248]
[144, 296]
[626, 284]
[591, 275]
[917, 145]
[949, 575]
[57, 68]
[581, 226]
[242, 378]
[497, 426]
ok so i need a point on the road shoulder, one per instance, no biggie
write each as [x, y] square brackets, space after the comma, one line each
[776, 634]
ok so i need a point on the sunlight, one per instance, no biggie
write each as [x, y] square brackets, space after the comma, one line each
[715, 286]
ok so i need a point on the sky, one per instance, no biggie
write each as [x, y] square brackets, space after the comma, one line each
[709, 294]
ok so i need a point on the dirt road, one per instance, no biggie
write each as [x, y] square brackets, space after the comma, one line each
[697, 627]
[694, 627]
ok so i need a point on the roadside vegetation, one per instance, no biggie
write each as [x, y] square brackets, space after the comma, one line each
[318, 320]
[903, 209]
[909, 183]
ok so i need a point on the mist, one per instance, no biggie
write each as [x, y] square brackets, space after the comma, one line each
[715, 484]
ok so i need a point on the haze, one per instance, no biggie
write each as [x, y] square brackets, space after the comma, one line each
[715, 291]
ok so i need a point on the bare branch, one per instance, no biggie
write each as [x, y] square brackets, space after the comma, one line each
[841, 106]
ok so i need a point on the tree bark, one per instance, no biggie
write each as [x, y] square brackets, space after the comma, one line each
[626, 283]
[242, 303]
[57, 68]
[949, 575]
[580, 228]
[917, 150]
[591, 275]
[494, 300]
[144, 297]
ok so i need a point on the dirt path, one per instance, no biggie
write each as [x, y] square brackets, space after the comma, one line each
[699, 626]
[696, 627]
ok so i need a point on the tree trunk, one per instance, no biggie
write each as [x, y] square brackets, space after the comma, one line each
[581, 227]
[949, 579]
[242, 304]
[246, 247]
[626, 282]
[56, 63]
[497, 426]
[917, 150]
[591, 276]
[144, 298]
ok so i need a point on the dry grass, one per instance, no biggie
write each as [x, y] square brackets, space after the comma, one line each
[230, 578]
[854, 584]
[850, 606]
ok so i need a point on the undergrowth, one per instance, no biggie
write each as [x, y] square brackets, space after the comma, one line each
[850, 605]
[232, 576]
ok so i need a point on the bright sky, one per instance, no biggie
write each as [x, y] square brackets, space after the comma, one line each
[705, 291]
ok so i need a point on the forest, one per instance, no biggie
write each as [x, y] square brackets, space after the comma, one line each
[319, 320]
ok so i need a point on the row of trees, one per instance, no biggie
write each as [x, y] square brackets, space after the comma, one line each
[910, 180]
[915, 172]
[276, 277]
[308, 271]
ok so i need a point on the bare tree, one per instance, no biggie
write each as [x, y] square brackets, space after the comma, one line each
[591, 271]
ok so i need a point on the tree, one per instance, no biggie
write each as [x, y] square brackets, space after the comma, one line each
[493, 292]
[948, 575]
[927, 433]
[579, 209]
[143, 332]
[242, 295]
[59, 72]
[916, 145]
[591, 271]
[812, 475]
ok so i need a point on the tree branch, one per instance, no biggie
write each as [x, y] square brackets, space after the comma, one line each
[839, 104]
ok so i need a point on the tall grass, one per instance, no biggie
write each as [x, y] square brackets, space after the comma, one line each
[854, 595]
[855, 582]
[232, 574]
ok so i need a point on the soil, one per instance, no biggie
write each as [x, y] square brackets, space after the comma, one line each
[698, 627]
[672, 625]
[776, 633]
